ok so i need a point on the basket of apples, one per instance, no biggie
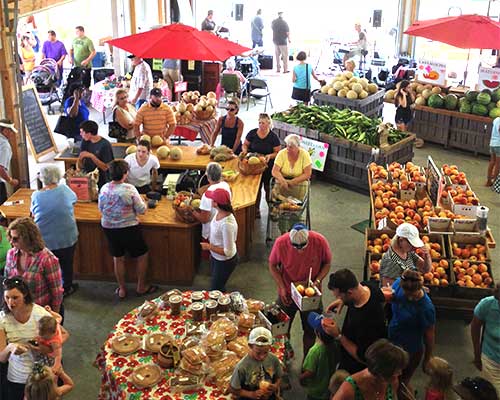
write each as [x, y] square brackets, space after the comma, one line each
[183, 204]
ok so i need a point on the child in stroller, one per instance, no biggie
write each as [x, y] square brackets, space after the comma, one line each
[46, 79]
[79, 76]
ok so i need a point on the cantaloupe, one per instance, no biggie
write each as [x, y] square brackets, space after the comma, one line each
[175, 153]
[131, 149]
[162, 152]
[352, 95]
[145, 137]
[156, 141]
[363, 94]
[372, 88]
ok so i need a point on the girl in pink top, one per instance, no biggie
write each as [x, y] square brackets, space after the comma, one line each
[48, 348]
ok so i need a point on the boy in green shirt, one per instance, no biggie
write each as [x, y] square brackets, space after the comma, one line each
[319, 363]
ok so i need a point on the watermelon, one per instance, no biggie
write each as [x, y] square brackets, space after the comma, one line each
[491, 106]
[488, 91]
[495, 96]
[462, 100]
[465, 107]
[435, 101]
[483, 98]
[495, 112]
[479, 109]
[451, 102]
[471, 95]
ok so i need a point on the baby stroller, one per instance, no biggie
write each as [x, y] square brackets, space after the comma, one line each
[79, 76]
[45, 78]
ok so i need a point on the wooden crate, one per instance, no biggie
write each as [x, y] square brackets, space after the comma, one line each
[430, 125]
[470, 132]
[371, 106]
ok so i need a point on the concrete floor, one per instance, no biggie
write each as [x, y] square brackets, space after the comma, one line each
[93, 311]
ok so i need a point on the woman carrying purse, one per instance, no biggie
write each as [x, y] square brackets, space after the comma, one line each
[124, 113]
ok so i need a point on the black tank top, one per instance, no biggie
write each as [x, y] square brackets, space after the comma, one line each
[229, 134]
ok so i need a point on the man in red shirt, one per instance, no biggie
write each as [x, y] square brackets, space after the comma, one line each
[292, 256]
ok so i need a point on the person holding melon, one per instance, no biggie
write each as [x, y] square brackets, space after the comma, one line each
[402, 255]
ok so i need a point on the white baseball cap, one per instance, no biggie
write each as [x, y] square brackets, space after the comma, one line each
[410, 232]
[260, 336]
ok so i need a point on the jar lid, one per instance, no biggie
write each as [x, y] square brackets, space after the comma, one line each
[175, 298]
[211, 304]
[224, 300]
[215, 294]
[197, 306]
[197, 295]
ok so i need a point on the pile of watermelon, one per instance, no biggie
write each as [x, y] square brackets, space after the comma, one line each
[484, 103]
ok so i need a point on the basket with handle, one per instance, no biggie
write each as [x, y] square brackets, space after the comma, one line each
[251, 169]
[185, 213]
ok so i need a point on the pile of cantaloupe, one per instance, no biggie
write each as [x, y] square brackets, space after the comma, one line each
[194, 106]
[347, 85]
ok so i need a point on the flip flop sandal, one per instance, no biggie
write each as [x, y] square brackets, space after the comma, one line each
[117, 293]
[150, 290]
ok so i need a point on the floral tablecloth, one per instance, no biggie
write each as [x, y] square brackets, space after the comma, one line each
[102, 98]
[116, 368]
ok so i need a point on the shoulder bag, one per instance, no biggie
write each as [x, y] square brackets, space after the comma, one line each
[115, 130]
[303, 94]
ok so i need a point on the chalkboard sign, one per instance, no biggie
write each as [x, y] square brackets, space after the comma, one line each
[37, 129]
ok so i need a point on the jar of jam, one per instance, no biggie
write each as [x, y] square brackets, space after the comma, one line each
[197, 311]
[175, 302]
[224, 303]
[211, 307]
[214, 294]
[197, 296]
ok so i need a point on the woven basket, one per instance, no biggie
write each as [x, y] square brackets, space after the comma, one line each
[251, 169]
[203, 115]
[185, 214]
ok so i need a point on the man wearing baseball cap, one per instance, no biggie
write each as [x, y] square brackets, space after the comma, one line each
[258, 374]
[7, 129]
[294, 255]
[156, 117]
[142, 81]
[403, 254]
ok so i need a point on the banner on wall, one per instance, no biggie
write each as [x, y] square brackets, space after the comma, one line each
[317, 150]
[489, 78]
[433, 72]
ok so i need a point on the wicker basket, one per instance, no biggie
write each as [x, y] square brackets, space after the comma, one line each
[185, 214]
[251, 169]
[203, 115]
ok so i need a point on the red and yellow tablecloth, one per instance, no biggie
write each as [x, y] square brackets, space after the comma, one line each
[191, 131]
[116, 368]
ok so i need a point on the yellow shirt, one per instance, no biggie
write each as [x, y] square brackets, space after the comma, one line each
[28, 57]
[154, 120]
[302, 162]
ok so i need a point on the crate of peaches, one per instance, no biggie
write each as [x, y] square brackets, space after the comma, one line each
[469, 247]
[454, 177]
[474, 279]
[438, 278]
[377, 243]
[378, 173]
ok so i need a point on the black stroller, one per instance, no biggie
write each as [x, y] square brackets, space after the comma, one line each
[46, 77]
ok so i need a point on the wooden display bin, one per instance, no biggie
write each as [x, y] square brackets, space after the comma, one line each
[475, 293]
[430, 126]
[470, 132]
[371, 106]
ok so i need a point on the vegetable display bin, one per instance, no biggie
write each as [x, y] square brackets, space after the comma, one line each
[470, 132]
[371, 106]
[430, 125]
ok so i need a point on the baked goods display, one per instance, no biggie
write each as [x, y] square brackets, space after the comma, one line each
[125, 344]
[193, 339]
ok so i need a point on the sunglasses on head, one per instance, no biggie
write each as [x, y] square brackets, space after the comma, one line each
[13, 282]
[299, 246]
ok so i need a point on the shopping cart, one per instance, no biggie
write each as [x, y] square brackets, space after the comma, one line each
[286, 208]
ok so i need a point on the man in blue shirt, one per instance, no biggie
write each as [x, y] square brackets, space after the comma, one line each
[76, 110]
[257, 27]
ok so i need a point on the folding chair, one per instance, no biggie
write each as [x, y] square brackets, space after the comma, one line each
[258, 89]
[230, 83]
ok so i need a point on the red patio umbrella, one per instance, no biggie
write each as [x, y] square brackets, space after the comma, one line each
[181, 42]
[464, 31]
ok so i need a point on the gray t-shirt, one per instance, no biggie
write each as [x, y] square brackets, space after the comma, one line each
[249, 372]
[392, 266]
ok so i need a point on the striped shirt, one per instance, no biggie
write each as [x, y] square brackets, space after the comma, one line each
[120, 203]
[41, 273]
[155, 120]
[392, 265]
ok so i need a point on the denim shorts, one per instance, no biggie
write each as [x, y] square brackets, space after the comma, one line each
[495, 150]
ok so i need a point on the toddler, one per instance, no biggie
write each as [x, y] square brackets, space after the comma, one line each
[42, 384]
[48, 343]
[440, 385]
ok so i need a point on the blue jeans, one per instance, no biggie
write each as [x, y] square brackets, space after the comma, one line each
[139, 103]
[221, 271]
[257, 43]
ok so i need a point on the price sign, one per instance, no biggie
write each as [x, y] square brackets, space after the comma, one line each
[180, 87]
[433, 72]
[489, 78]
[317, 150]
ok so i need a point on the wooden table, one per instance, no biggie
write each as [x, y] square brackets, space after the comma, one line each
[174, 247]
[189, 159]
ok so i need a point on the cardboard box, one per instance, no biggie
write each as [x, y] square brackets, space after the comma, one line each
[305, 303]
[463, 239]
[467, 226]
[277, 329]
[442, 226]
[462, 209]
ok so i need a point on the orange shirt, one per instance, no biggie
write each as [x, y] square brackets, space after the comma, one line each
[155, 120]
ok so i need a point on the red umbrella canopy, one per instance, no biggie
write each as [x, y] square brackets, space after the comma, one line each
[464, 31]
[181, 42]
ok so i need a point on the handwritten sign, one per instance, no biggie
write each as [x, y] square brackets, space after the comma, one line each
[489, 78]
[157, 64]
[431, 72]
[317, 150]
[180, 86]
